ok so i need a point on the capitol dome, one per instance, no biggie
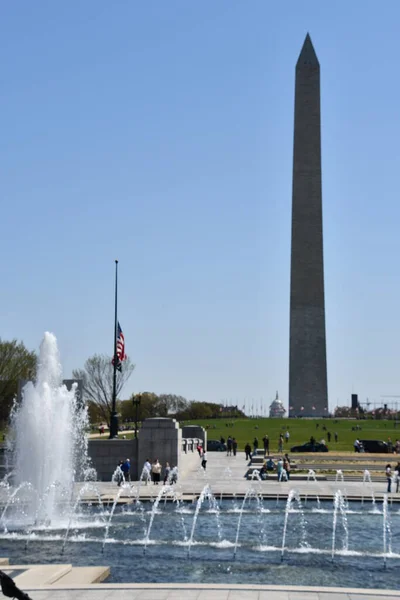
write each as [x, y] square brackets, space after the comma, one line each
[276, 408]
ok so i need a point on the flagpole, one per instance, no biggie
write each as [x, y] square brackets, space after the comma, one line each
[114, 417]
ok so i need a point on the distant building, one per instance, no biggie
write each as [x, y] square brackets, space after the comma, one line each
[276, 409]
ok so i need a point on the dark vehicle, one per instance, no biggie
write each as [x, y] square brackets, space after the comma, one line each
[309, 447]
[215, 446]
[376, 446]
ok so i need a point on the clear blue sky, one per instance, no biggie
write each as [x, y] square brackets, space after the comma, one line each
[160, 133]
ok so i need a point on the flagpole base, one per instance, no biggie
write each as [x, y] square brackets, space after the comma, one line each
[113, 426]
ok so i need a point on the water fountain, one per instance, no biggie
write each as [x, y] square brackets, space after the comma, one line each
[41, 505]
[311, 476]
[339, 505]
[48, 445]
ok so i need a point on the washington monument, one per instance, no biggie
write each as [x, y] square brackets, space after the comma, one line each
[308, 393]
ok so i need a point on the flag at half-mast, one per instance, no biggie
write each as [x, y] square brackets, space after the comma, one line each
[121, 356]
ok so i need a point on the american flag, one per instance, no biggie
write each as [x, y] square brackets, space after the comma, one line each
[121, 356]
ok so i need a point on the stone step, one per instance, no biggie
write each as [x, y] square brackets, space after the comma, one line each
[36, 575]
[84, 576]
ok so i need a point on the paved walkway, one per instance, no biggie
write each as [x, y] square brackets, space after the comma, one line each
[209, 592]
[226, 476]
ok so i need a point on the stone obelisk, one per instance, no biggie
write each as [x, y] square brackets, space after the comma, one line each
[308, 394]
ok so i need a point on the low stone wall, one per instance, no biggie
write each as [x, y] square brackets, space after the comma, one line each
[195, 431]
[106, 454]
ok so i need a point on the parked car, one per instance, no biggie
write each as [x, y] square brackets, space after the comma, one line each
[215, 446]
[374, 446]
[309, 447]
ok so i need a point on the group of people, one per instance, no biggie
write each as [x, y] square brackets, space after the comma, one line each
[231, 446]
[283, 438]
[282, 468]
[392, 477]
[152, 472]
[123, 471]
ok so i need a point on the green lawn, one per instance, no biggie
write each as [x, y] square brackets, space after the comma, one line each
[244, 430]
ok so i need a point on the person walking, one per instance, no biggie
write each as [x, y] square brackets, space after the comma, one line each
[266, 445]
[247, 449]
[204, 461]
[255, 445]
[286, 466]
[280, 443]
[234, 446]
[229, 446]
[336, 436]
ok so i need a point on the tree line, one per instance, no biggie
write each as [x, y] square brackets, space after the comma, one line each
[18, 363]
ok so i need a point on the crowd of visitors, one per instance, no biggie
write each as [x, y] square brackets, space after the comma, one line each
[151, 471]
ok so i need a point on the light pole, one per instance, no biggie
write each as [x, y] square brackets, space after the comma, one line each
[136, 403]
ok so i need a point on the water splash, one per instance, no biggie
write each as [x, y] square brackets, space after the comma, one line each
[368, 482]
[339, 476]
[205, 493]
[88, 487]
[311, 476]
[48, 440]
[165, 490]
[387, 530]
[339, 505]
[249, 493]
[294, 496]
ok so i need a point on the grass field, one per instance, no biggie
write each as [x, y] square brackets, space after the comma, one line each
[244, 430]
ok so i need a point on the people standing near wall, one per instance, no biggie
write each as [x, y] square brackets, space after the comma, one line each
[388, 472]
[156, 471]
[167, 471]
[266, 444]
[126, 469]
[247, 449]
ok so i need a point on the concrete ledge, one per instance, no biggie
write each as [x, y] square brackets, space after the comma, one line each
[37, 575]
[275, 591]
[83, 576]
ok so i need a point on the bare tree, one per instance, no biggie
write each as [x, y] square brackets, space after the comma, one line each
[97, 378]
